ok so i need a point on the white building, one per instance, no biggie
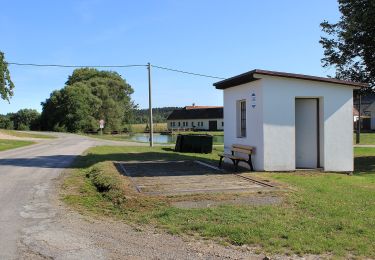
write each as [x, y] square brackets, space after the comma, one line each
[293, 121]
[196, 118]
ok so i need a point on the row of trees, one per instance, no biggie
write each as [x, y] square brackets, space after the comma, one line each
[89, 95]
[24, 119]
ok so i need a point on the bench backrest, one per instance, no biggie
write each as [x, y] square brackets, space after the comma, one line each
[240, 148]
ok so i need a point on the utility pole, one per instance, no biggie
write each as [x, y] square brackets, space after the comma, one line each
[150, 106]
[358, 133]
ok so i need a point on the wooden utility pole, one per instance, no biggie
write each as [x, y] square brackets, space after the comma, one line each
[150, 106]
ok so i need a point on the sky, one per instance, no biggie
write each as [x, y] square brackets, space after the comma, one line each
[214, 37]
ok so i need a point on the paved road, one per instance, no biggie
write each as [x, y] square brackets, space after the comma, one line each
[26, 175]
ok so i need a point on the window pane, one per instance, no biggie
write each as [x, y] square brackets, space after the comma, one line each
[243, 118]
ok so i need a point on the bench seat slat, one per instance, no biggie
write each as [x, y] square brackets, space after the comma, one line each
[242, 146]
[238, 150]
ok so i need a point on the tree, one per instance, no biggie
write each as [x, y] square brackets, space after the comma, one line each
[25, 119]
[6, 84]
[350, 43]
[89, 95]
[5, 122]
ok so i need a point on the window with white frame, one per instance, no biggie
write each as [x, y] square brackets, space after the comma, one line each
[241, 118]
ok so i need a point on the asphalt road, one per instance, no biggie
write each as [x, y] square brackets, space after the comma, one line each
[26, 175]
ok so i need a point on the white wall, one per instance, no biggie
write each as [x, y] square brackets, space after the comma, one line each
[254, 123]
[336, 131]
[189, 126]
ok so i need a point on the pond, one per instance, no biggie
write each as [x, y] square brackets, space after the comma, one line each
[165, 139]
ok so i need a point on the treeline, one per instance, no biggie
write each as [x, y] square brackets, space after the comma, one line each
[159, 115]
[24, 119]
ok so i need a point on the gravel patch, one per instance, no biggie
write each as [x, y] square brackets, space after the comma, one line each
[248, 201]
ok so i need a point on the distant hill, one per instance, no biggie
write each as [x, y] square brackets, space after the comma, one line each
[160, 114]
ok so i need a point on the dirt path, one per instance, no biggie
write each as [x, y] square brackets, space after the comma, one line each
[64, 234]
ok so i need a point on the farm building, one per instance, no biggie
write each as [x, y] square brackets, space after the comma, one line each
[196, 118]
[293, 121]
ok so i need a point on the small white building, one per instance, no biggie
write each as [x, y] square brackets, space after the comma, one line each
[208, 118]
[293, 121]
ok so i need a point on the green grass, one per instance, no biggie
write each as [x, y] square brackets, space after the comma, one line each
[11, 144]
[323, 213]
[26, 134]
[366, 138]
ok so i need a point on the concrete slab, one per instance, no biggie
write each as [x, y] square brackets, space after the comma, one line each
[186, 177]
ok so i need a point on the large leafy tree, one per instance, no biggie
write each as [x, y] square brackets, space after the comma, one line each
[349, 44]
[6, 84]
[25, 119]
[89, 95]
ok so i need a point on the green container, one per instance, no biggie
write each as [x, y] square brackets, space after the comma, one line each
[194, 143]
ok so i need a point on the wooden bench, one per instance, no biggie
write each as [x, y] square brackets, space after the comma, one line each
[238, 149]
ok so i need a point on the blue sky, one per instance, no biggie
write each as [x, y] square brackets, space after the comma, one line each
[215, 37]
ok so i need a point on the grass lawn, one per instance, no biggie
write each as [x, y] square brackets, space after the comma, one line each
[26, 134]
[367, 138]
[324, 213]
[11, 144]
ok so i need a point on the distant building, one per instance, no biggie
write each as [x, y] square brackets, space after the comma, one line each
[196, 118]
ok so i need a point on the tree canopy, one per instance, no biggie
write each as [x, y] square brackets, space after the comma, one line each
[350, 43]
[89, 95]
[6, 84]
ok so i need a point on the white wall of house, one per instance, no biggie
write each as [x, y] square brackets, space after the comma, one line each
[254, 120]
[271, 124]
[193, 123]
[336, 127]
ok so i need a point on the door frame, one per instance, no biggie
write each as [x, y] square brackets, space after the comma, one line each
[318, 145]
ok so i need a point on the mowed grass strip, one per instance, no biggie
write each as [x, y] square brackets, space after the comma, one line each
[326, 213]
[26, 134]
[11, 144]
[366, 138]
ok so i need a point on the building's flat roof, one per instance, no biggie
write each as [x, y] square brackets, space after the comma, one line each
[250, 76]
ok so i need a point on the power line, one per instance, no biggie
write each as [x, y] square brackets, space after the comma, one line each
[111, 66]
[75, 66]
[186, 72]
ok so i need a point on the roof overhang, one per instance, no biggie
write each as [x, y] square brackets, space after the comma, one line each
[257, 74]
